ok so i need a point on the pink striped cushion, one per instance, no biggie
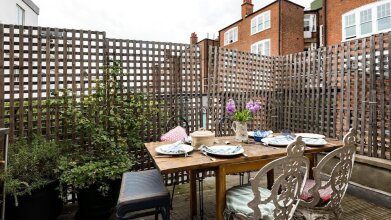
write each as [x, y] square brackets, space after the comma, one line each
[175, 134]
[325, 194]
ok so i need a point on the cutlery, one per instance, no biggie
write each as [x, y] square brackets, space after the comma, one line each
[245, 155]
[169, 156]
[211, 158]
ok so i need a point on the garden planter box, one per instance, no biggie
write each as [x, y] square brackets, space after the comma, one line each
[42, 204]
[93, 205]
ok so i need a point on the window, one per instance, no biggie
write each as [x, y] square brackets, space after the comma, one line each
[19, 15]
[373, 18]
[383, 17]
[260, 22]
[261, 47]
[366, 21]
[231, 36]
[350, 26]
[310, 22]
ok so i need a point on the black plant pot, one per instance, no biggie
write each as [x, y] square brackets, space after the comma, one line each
[42, 204]
[92, 205]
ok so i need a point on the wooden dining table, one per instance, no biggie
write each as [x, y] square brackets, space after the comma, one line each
[257, 156]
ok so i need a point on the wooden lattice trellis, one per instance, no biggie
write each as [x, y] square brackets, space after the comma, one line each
[325, 91]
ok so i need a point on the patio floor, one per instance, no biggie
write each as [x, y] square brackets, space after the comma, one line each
[354, 208]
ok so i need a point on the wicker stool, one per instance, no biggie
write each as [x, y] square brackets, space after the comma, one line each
[141, 191]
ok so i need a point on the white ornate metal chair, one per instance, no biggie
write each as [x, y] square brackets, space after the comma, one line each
[321, 195]
[255, 202]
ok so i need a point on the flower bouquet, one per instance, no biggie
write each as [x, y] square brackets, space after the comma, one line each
[241, 118]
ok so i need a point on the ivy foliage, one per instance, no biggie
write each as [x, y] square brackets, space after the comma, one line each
[107, 123]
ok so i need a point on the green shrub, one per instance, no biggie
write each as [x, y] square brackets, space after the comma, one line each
[31, 165]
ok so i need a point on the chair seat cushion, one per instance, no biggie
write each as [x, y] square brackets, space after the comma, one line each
[140, 190]
[325, 194]
[239, 196]
[176, 134]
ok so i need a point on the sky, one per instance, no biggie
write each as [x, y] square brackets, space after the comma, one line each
[151, 20]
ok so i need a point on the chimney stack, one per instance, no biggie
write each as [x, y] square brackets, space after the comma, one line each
[193, 38]
[247, 8]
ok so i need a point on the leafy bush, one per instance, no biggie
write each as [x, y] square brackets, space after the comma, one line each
[31, 165]
[108, 123]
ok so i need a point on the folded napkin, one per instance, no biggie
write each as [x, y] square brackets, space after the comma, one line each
[174, 148]
[225, 150]
[316, 141]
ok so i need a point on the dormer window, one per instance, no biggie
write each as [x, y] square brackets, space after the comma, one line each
[231, 36]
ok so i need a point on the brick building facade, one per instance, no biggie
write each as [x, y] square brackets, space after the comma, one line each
[352, 19]
[276, 29]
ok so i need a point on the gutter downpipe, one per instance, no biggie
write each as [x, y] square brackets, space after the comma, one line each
[279, 27]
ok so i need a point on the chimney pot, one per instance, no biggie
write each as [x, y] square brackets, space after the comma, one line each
[247, 8]
[193, 38]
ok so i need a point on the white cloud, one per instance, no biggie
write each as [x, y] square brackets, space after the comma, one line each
[153, 20]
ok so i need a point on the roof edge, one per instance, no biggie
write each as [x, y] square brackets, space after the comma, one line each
[271, 3]
[32, 5]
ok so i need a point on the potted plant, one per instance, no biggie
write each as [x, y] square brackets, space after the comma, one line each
[108, 122]
[31, 181]
[240, 118]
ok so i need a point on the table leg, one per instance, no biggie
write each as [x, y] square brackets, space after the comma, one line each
[312, 158]
[193, 194]
[270, 179]
[220, 192]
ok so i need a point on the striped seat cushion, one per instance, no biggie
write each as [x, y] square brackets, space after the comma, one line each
[325, 194]
[239, 196]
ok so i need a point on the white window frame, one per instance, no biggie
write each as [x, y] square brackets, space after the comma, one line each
[346, 19]
[374, 20]
[263, 19]
[20, 10]
[383, 16]
[311, 18]
[255, 47]
[361, 22]
[233, 32]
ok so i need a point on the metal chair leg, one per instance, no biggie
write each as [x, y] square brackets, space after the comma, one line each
[157, 211]
[201, 193]
[241, 179]
[172, 195]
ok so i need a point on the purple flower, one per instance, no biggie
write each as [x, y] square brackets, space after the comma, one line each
[253, 107]
[231, 108]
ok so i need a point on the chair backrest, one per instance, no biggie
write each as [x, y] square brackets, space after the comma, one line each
[287, 187]
[224, 127]
[177, 120]
[340, 174]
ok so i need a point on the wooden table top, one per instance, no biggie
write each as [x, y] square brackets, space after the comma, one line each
[198, 161]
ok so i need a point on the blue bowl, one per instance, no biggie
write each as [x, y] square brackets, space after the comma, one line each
[258, 139]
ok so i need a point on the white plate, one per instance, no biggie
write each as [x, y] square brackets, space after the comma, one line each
[310, 135]
[224, 150]
[314, 142]
[251, 133]
[170, 149]
[277, 141]
[285, 141]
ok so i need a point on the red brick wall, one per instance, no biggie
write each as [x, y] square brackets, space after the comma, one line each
[291, 36]
[292, 23]
[335, 10]
[245, 39]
